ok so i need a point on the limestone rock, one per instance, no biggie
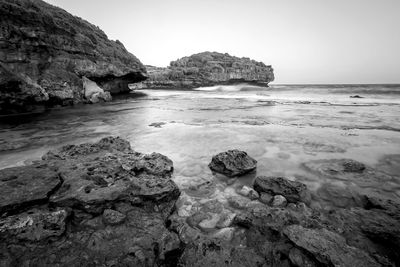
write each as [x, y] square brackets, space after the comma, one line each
[328, 247]
[232, 163]
[207, 69]
[45, 52]
[293, 191]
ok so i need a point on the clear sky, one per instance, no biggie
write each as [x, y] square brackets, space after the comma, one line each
[306, 41]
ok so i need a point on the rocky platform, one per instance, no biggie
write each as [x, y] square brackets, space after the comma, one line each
[207, 69]
[48, 56]
[99, 204]
[104, 204]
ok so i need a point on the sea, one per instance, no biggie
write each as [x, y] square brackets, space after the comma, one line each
[283, 127]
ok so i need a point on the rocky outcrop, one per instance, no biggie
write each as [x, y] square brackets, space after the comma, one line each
[89, 204]
[232, 163]
[207, 69]
[45, 52]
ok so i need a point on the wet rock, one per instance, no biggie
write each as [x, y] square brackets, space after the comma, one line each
[23, 187]
[210, 223]
[238, 202]
[300, 259]
[349, 170]
[248, 192]
[353, 166]
[232, 163]
[113, 217]
[339, 196]
[356, 96]
[327, 247]
[293, 191]
[266, 198]
[279, 201]
[226, 220]
[157, 124]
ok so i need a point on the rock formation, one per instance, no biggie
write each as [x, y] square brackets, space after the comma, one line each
[45, 52]
[207, 69]
[89, 204]
[232, 163]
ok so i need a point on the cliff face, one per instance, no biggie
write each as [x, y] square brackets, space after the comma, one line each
[45, 52]
[206, 69]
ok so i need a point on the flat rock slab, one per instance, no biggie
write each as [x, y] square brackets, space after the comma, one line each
[232, 163]
[293, 191]
[22, 187]
[327, 247]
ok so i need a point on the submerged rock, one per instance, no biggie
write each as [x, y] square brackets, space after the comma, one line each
[207, 69]
[112, 206]
[293, 191]
[232, 163]
[45, 52]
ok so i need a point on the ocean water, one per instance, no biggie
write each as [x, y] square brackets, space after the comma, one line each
[283, 127]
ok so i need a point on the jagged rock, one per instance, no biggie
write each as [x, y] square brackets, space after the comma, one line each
[232, 163]
[23, 187]
[45, 52]
[328, 247]
[206, 69]
[111, 209]
[293, 191]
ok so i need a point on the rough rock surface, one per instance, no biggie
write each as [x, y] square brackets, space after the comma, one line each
[327, 247]
[207, 69]
[293, 191]
[110, 207]
[232, 163]
[45, 52]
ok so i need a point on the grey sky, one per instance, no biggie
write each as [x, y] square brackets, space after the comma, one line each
[306, 41]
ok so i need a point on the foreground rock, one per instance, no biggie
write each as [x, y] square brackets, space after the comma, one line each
[45, 53]
[232, 163]
[89, 204]
[330, 249]
[207, 69]
[293, 191]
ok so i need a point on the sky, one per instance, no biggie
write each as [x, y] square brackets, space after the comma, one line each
[305, 41]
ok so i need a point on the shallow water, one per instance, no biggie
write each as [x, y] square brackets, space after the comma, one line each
[282, 127]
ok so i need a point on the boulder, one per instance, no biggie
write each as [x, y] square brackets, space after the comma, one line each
[232, 163]
[45, 51]
[328, 248]
[207, 69]
[293, 191]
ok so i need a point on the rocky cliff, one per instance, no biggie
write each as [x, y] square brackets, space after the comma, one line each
[207, 69]
[45, 52]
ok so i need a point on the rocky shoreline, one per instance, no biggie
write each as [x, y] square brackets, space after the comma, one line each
[104, 204]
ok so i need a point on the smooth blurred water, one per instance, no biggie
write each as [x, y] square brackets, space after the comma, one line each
[281, 127]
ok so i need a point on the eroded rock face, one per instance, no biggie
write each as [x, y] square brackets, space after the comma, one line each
[293, 191]
[207, 69]
[232, 163]
[45, 51]
[110, 207]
